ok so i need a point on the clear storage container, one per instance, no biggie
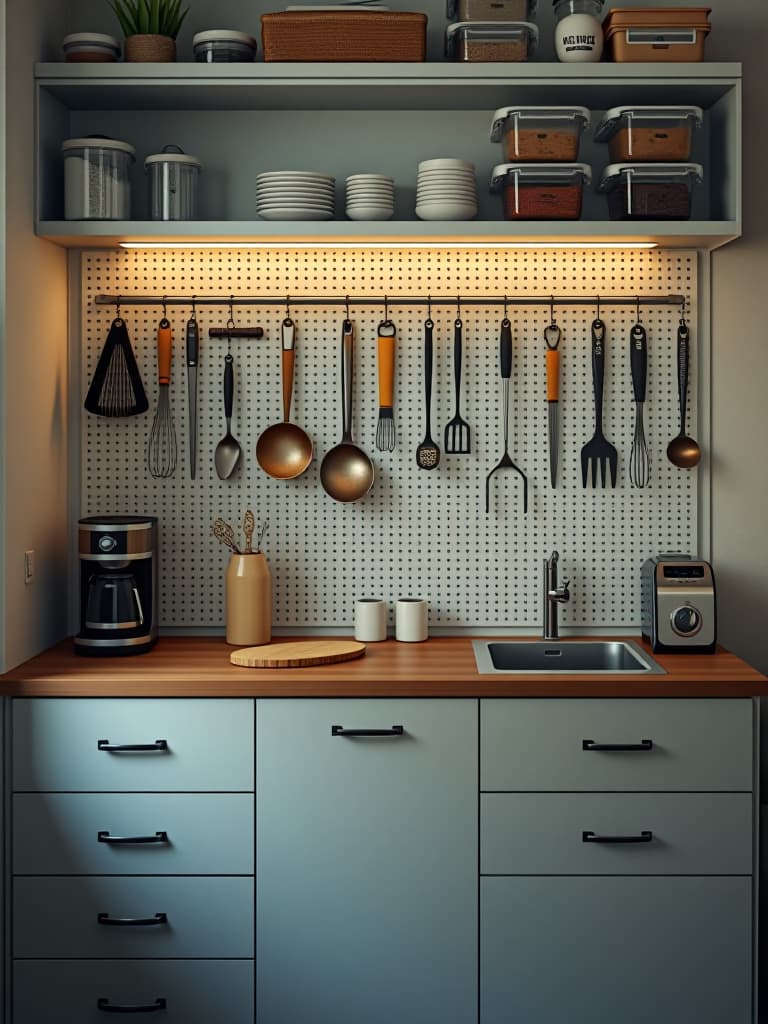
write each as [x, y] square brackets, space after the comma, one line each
[90, 47]
[650, 191]
[173, 178]
[539, 134]
[491, 40]
[491, 10]
[649, 133]
[223, 46]
[656, 34]
[97, 178]
[541, 191]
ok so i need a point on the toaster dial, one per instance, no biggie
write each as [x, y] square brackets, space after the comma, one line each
[686, 620]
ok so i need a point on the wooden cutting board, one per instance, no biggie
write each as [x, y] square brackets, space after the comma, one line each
[300, 654]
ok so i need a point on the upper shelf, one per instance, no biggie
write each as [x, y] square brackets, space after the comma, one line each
[436, 85]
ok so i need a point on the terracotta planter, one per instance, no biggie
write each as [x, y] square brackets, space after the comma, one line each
[150, 48]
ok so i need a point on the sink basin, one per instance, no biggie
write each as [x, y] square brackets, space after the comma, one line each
[590, 657]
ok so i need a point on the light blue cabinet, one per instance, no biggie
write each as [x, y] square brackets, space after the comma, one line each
[366, 862]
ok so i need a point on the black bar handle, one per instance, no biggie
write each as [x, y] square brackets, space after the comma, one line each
[125, 748]
[339, 730]
[105, 837]
[132, 922]
[505, 348]
[642, 745]
[104, 1006]
[638, 361]
[592, 837]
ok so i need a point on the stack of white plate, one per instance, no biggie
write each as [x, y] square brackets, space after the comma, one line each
[370, 197]
[295, 195]
[446, 190]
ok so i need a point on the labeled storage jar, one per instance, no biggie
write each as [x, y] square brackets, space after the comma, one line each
[649, 133]
[511, 41]
[539, 134]
[248, 600]
[97, 178]
[173, 178]
[90, 48]
[578, 31]
[541, 191]
[650, 191]
[223, 46]
[656, 34]
[491, 10]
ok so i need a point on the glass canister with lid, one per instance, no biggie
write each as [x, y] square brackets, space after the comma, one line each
[97, 182]
[173, 179]
[223, 46]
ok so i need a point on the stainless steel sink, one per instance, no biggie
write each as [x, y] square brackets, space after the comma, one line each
[587, 657]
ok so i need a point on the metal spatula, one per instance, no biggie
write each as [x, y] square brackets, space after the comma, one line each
[505, 462]
[457, 433]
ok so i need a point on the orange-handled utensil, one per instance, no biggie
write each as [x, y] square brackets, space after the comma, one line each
[385, 349]
[552, 335]
[161, 450]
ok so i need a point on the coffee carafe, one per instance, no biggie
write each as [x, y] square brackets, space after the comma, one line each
[118, 585]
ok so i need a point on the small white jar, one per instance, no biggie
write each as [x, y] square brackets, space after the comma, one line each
[97, 182]
[578, 31]
[371, 620]
[411, 620]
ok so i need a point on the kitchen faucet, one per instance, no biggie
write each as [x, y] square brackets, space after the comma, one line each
[553, 596]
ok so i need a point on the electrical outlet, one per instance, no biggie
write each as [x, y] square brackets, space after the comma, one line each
[29, 566]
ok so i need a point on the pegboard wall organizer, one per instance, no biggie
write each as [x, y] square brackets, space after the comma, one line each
[417, 533]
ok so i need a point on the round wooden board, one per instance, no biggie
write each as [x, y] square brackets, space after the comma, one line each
[300, 654]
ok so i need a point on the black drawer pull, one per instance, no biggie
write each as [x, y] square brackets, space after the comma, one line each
[105, 837]
[339, 730]
[105, 1006]
[642, 745]
[132, 922]
[132, 748]
[593, 837]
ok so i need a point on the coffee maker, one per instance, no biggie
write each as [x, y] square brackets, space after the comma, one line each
[118, 585]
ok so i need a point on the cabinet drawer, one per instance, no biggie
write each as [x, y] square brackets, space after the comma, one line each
[209, 744]
[195, 991]
[543, 833]
[205, 917]
[57, 833]
[534, 745]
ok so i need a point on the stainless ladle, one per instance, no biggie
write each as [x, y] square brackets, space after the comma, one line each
[683, 451]
[284, 450]
[346, 472]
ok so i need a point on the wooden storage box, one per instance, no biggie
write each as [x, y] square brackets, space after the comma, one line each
[344, 36]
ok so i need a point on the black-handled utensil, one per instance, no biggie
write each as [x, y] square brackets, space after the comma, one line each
[683, 451]
[228, 451]
[457, 438]
[639, 461]
[505, 365]
[428, 454]
[193, 354]
[598, 451]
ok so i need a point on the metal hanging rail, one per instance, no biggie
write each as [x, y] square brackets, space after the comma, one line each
[426, 300]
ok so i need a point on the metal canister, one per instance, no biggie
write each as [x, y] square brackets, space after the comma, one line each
[173, 180]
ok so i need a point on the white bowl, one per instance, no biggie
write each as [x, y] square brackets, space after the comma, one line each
[370, 213]
[444, 164]
[446, 211]
[300, 190]
[295, 213]
[293, 175]
[297, 204]
[459, 197]
[369, 190]
[441, 176]
[371, 206]
[371, 177]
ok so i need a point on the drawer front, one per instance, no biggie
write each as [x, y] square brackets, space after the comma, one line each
[544, 833]
[203, 917]
[609, 950]
[209, 744]
[535, 745]
[195, 991]
[57, 833]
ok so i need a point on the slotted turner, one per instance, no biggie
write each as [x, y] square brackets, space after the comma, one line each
[457, 433]
[505, 462]
[598, 451]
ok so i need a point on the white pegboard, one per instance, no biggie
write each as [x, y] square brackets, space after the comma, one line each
[417, 533]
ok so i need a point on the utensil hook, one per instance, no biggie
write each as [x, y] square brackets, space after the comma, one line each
[386, 310]
[117, 308]
[458, 307]
[597, 314]
[165, 309]
[429, 307]
[287, 307]
[552, 311]
[346, 307]
[194, 307]
[637, 309]
[506, 312]
[682, 313]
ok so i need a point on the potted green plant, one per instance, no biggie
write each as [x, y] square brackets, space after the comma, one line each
[150, 27]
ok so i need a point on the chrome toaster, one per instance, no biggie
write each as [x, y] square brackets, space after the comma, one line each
[677, 604]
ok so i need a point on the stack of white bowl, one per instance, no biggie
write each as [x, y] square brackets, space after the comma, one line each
[370, 197]
[295, 195]
[446, 190]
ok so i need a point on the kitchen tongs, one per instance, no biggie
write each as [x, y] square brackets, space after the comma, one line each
[505, 360]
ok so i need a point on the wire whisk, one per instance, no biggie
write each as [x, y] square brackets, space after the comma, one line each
[161, 449]
[639, 459]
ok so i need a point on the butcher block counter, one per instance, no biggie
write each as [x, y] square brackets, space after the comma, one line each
[440, 667]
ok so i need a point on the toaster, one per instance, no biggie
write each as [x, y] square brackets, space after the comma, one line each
[677, 604]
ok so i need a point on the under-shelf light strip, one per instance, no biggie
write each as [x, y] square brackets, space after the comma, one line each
[351, 244]
[426, 300]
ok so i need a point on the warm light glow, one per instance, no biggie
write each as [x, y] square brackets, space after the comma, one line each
[350, 244]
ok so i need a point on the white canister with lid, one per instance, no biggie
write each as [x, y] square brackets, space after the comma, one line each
[173, 176]
[90, 48]
[223, 46]
[578, 31]
[97, 182]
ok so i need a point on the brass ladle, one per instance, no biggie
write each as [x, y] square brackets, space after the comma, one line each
[284, 450]
[683, 451]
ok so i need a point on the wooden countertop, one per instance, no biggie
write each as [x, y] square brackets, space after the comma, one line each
[441, 667]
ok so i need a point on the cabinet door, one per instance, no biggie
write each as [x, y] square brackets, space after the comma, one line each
[594, 950]
[366, 902]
